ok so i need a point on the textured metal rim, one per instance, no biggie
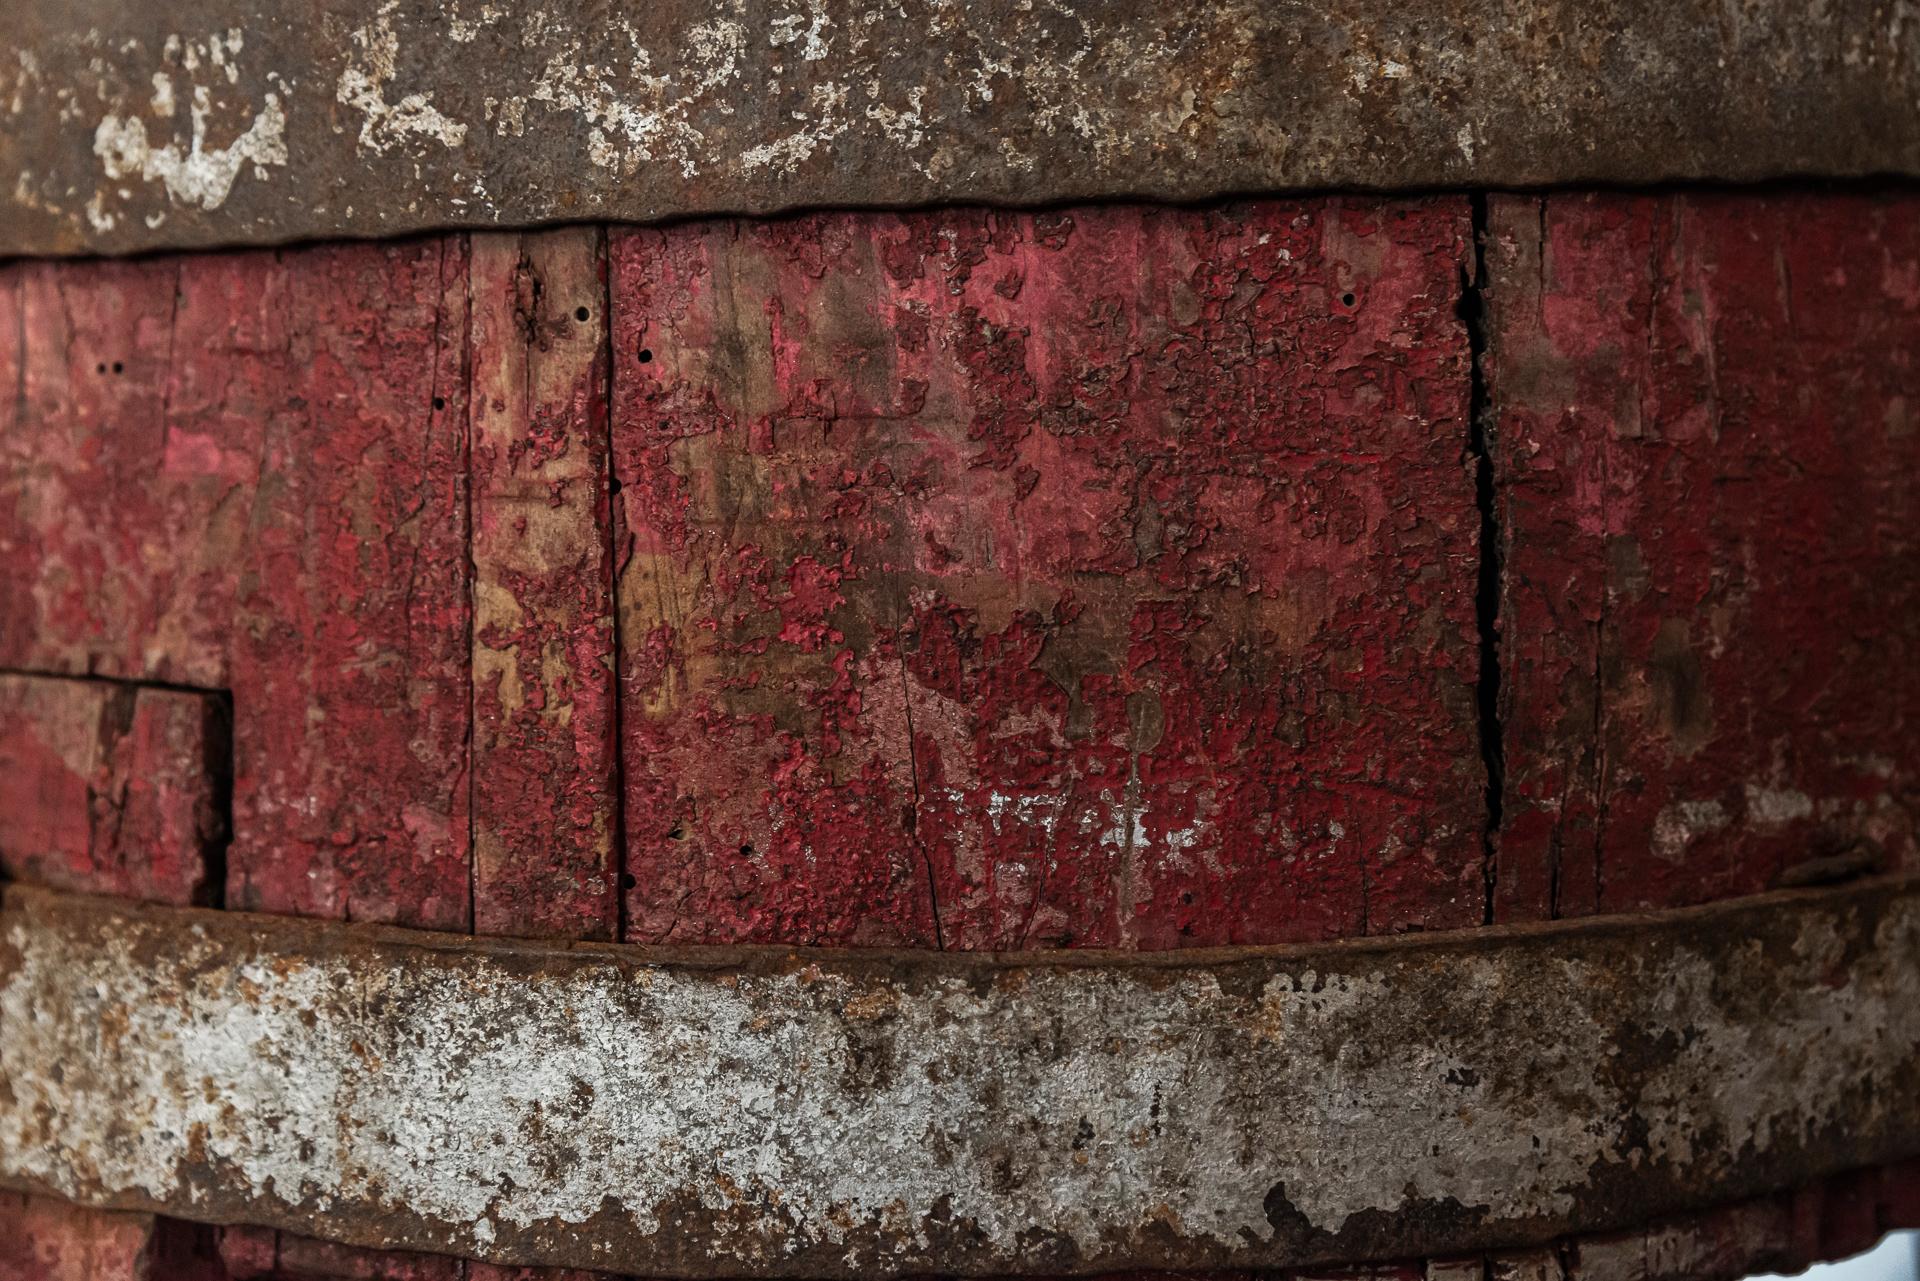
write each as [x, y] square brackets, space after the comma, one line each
[767, 1112]
[133, 126]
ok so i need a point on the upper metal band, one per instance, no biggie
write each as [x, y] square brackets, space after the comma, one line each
[136, 126]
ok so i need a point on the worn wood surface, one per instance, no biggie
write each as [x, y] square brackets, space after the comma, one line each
[543, 781]
[1708, 472]
[113, 788]
[943, 544]
[1100, 577]
[228, 472]
[46, 1240]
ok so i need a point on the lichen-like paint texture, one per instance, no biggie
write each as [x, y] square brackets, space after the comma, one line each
[229, 472]
[845, 1114]
[1002, 580]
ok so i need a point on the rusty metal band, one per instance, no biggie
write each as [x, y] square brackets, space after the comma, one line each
[841, 1114]
[137, 126]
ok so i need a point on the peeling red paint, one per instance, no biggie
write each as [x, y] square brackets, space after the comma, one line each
[1101, 576]
[46, 1240]
[112, 789]
[264, 1255]
[1707, 462]
[227, 471]
[259, 1254]
[1110, 568]
[248, 1253]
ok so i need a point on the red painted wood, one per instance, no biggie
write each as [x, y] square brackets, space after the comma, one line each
[1103, 576]
[1048, 489]
[46, 1240]
[1709, 467]
[228, 471]
[111, 789]
[304, 1259]
[248, 1253]
[259, 1255]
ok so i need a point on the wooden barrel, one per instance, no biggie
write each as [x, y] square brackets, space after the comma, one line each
[1035, 644]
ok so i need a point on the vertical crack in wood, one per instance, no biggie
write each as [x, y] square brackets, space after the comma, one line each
[218, 722]
[913, 775]
[1479, 452]
[617, 762]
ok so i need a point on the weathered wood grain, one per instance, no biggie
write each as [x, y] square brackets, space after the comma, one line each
[946, 536]
[544, 802]
[1099, 577]
[113, 788]
[230, 472]
[1708, 470]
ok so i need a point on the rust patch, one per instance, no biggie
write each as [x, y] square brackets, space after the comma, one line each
[760, 1111]
[134, 127]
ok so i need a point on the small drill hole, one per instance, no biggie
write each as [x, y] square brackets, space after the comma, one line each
[439, 402]
[581, 313]
[1346, 300]
[614, 487]
[646, 355]
[100, 368]
[119, 368]
[627, 880]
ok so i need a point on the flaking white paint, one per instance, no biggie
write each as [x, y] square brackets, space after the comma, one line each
[363, 84]
[198, 174]
[1095, 1101]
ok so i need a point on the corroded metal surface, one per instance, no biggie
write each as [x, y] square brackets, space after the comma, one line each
[730, 1112]
[134, 126]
